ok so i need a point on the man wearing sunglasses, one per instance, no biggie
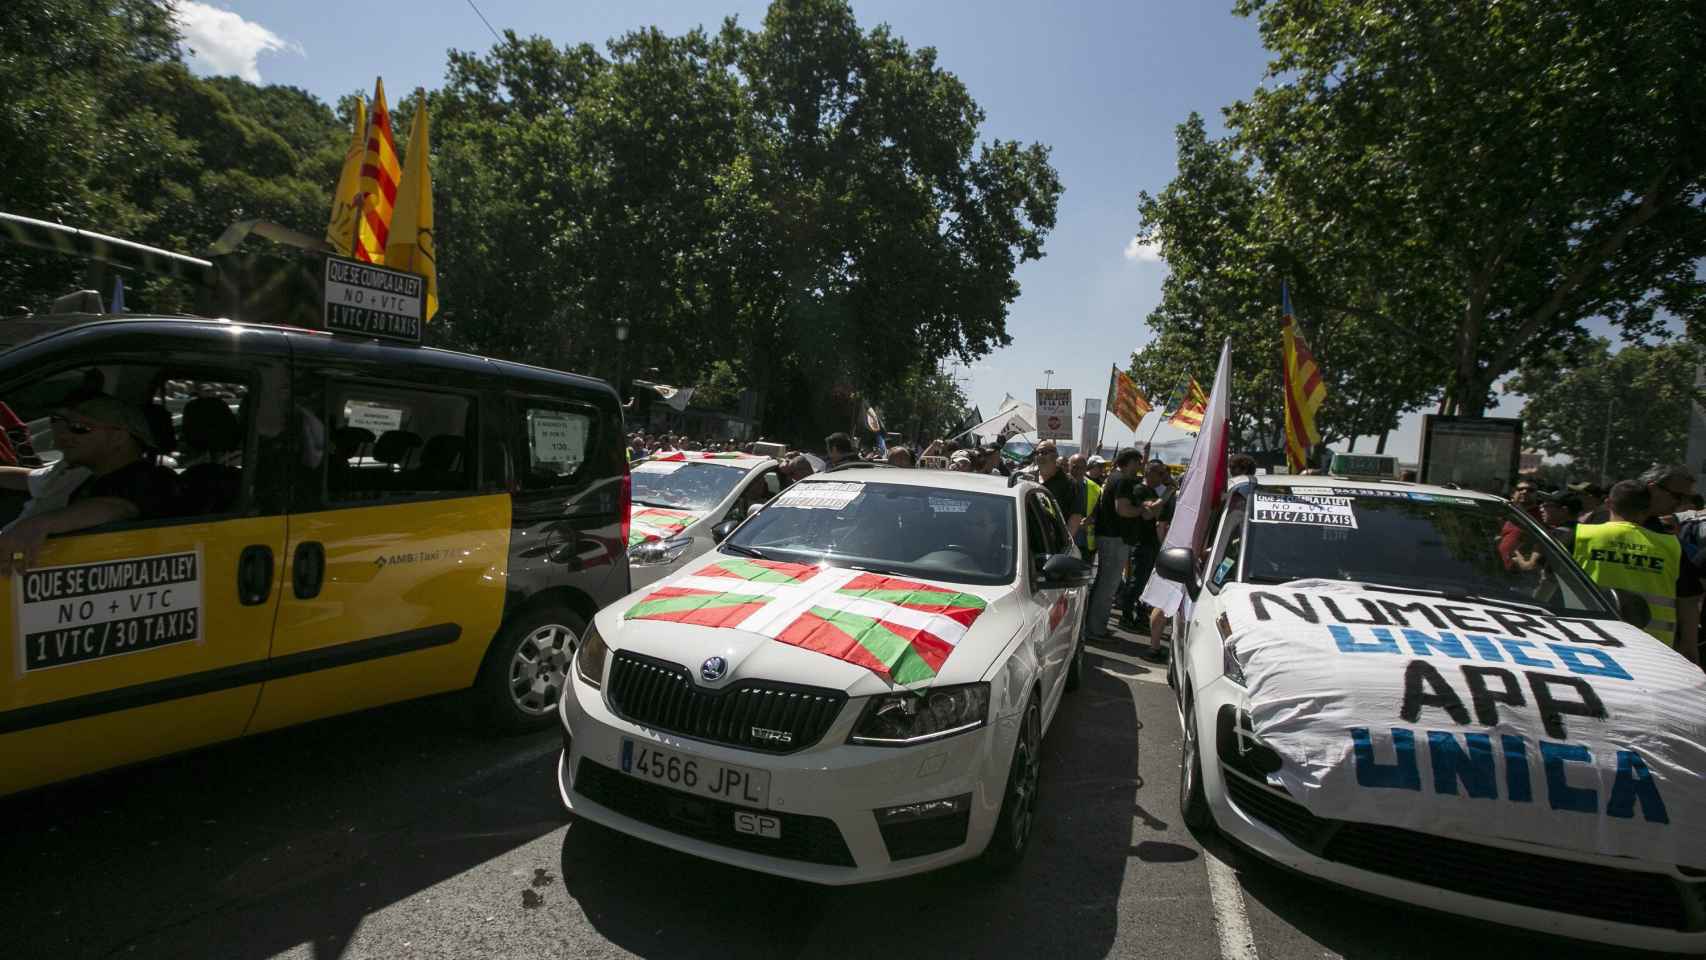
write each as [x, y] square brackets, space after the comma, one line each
[107, 437]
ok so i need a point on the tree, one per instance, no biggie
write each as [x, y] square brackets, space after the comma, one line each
[1229, 243]
[1500, 172]
[1613, 414]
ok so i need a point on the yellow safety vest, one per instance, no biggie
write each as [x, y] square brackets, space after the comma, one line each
[1623, 556]
[1092, 495]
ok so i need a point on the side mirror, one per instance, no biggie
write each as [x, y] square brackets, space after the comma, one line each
[1178, 564]
[753, 510]
[1632, 608]
[721, 531]
[1066, 570]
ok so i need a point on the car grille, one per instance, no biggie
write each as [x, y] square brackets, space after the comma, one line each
[807, 839]
[1493, 873]
[662, 695]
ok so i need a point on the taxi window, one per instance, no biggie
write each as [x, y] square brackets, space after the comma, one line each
[392, 442]
[557, 442]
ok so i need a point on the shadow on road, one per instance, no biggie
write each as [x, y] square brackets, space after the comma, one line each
[1061, 902]
[251, 848]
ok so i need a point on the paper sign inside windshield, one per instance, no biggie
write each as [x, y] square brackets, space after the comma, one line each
[820, 496]
[1314, 511]
[944, 505]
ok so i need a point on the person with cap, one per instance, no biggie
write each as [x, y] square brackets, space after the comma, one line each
[108, 438]
[961, 461]
[1060, 485]
[1096, 468]
[1670, 486]
[1090, 493]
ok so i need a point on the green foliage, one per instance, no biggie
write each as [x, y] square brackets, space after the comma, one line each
[1626, 410]
[806, 201]
[1449, 187]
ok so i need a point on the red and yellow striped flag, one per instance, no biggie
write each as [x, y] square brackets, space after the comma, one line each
[380, 172]
[1304, 391]
[1126, 402]
[1191, 410]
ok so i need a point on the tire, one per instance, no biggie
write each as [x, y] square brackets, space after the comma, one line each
[1193, 802]
[1075, 669]
[527, 669]
[1017, 819]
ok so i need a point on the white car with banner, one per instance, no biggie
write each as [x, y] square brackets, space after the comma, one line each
[854, 685]
[1371, 694]
[680, 498]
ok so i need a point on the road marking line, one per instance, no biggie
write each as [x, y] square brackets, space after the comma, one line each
[1231, 923]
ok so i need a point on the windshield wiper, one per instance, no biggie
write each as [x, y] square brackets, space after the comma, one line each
[744, 551]
[1461, 596]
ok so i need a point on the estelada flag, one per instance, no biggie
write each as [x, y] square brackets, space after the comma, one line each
[1125, 401]
[1304, 390]
[340, 230]
[1191, 408]
[411, 244]
[380, 172]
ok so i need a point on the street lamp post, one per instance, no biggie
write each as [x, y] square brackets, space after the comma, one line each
[1049, 378]
[620, 328]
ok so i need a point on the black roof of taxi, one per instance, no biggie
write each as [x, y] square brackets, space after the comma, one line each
[145, 334]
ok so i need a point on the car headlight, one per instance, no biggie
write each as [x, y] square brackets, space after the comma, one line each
[589, 659]
[907, 717]
[654, 552]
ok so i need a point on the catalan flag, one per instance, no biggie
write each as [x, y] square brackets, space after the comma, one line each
[410, 246]
[340, 230]
[380, 172]
[1304, 390]
[1125, 401]
[1193, 403]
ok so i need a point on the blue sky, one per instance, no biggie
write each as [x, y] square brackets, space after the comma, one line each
[1102, 83]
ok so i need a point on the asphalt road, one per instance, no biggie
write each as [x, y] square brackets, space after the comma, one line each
[396, 833]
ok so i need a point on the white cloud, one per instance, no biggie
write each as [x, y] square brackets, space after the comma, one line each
[1140, 251]
[221, 42]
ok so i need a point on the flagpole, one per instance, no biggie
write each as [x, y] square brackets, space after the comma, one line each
[1108, 414]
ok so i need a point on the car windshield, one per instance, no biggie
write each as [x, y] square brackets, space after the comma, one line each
[935, 534]
[685, 486]
[1434, 543]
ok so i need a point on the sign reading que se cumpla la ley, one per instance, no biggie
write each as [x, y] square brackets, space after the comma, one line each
[373, 301]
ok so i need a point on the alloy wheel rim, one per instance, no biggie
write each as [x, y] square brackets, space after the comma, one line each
[540, 668]
[1188, 765]
[1025, 786]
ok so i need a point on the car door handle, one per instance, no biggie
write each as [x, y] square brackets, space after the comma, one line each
[254, 575]
[308, 569]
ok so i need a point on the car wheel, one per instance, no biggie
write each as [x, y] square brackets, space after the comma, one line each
[1075, 669]
[1013, 826]
[527, 669]
[1193, 803]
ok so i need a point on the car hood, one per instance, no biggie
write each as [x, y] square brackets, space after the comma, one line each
[660, 523]
[821, 626]
[1474, 718]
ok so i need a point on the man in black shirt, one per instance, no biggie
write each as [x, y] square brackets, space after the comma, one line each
[1671, 487]
[1067, 494]
[107, 437]
[1116, 533]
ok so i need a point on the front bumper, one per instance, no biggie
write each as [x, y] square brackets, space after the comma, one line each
[826, 796]
[1610, 900]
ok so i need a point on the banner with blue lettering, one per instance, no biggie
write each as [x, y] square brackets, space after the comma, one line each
[1472, 719]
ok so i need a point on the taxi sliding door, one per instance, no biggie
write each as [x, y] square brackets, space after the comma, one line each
[395, 570]
[150, 637]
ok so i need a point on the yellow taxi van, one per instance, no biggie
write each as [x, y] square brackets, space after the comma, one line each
[352, 523]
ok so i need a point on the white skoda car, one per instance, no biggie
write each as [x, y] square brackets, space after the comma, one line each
[680, 498]
[1413, 692]
[854, 685]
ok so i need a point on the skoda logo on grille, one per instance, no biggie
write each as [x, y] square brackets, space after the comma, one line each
[714, 668]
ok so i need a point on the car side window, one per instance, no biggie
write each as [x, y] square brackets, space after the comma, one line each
[1045, 532]
[198, 421]
[557, 438]
[390, 442]
[1232, 540]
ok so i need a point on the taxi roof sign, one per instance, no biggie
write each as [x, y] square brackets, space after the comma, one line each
[1364, 466]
